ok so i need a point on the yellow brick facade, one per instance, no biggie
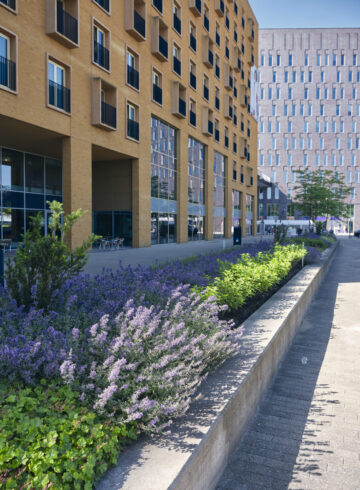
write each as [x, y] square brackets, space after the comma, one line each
[28, 123]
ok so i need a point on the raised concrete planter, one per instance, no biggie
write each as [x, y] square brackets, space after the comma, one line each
[195, 453]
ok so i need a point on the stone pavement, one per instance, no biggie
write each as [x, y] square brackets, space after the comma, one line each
[98, 259]
[306, 432]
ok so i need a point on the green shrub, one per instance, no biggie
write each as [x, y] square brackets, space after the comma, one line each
[319, 243]
[49, 439]
[43, 263]
[252, 276]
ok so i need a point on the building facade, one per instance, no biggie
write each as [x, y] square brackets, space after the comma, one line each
[137, 111]
[310, 109]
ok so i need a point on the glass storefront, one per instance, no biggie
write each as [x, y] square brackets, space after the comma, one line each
[196, 190]
[236, 209]
[26, 182]
[219, 195]
[113, 224]
[249, 213]
[163, 182]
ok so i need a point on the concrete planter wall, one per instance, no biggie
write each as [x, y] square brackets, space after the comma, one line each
[195, 453]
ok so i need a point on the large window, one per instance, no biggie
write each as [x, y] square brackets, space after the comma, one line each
[7, 60]
[163, 182]
[219, 195]
[59, 92]
[236, 208]
[196, 189]
[249, 213]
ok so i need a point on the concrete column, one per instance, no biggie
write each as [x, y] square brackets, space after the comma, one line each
[243, 212]
[228, 197]
[77, 185]
[254, 226]
[141, 208]
[209, 192]
[182, 187]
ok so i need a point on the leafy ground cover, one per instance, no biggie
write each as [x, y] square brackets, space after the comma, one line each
[114, 356]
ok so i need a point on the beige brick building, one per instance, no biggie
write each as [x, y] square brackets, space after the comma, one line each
[135, 110]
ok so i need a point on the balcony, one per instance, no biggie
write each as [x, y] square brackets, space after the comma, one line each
[217, 71]
[108, 115]
[178, 100]
[9, 3]
[234, 147]
[101, 56]
[192, 118]
[135, 14]
[210, 127]
[192, 80]
[217, 135]
[177, 65]
[217, 39]
[236, 61]
[231, 82]
[105, 4]
[158, 4]
[177, 23]
[220, 7]
[207, 121]
[227, 22]
[159, 39]
[157, 94]
[193, 42]
[226, 141]
[242, 146]
[235, 91]
[206, 92]
[132, 129]
[59, 96]
[217, 103]
[7, 73]
[62, 24]
[242, 95]
[132, 77]
[242, 178]
[195, 7]
[227, 52]
[234, 175]
[206, 23]
[207, 51]
[235, 120]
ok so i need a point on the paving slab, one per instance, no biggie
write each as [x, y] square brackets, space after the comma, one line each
[319, 383]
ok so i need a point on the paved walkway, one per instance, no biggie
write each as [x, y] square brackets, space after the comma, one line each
[162, 253]
[306, 433]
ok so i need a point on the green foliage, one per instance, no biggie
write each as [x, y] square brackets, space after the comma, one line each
[43, 263]
[48, 439]
[251, 276]
[321, 193]
[320, 243]
[280, 234]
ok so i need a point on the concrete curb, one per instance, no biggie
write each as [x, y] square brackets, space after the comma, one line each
[196, 452]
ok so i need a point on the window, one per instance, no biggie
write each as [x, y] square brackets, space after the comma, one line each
[192, 75]
[206, 87]
[338, 76]
[321, 109]
[105, 4]
[333, 126]
[341, 93]
[326, 93]
[337, 109]
[177, 60]
[262, 60]
[274, 76]
[62, 22]
[290, 59]
[206, 18]
[289, 159]
[341, 126]
[309, 143]
[192, 34]
[309, 110]
[301, 109]
[306, 93]
[318, 60]
[286, 76]
[294, 76]
[306, 60]
[132, 121]
[321, 143]
[7, 60]
[334, 60]
[326, 60]
[157, 87]
[310, 76]
[334, 93]
[274, 110]
[278, 60]
[277, 93]
[217, 34]
[306, 126]
[59, 85]
[270, 93]
[318, 93]
[158, 4]
[342, 60]
[269, 160]
[305, 159]
[322, 77]
[301, 143]
[270, 60]
[293, 143]
[262, 160]
[353, 160]
[277, 159]
[269, 127]
[101, 53]
[132, 69]
[302, 76]
[104, 100]
[289, 93]
[337, 143]
[289, 126]
[177, 17]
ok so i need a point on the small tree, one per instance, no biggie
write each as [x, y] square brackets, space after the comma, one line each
[43, 263]
[321, 193]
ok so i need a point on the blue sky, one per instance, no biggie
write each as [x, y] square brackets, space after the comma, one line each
[306, 13]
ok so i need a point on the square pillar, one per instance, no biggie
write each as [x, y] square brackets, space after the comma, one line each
[141, 208]
[182, 187]
[77, 185]
[243, 211]
[209, 193]
[228, 198]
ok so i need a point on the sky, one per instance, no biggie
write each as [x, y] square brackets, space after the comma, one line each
[306, 13]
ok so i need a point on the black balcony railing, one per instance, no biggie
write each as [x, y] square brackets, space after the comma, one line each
[217, 38]
[157, 93]
[105, 4]
[177, 65]
[227, 22]
[108, 114]
[227, 52]
[139, 24]
[211, 58]
[67, 25]
[163, 47]
[133, 129]
[226, 141]
[192, 80]
[182, 107]
[217, 103]
[7, 73]
[132, 77]
[192, 42]
[217, 135]
[158, 4]
[217, 71]
[9, 3]
[206, 23]
[193, 118]
[210, 127]
[234, 147]
[177, 23]
[206, 92]
[101, 55]
[59, 96]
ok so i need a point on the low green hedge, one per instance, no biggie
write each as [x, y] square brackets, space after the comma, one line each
[48, 439]
[252, 276]
[321, 243]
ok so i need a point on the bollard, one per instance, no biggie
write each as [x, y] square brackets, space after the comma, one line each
[1, 266]
[302, 258]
